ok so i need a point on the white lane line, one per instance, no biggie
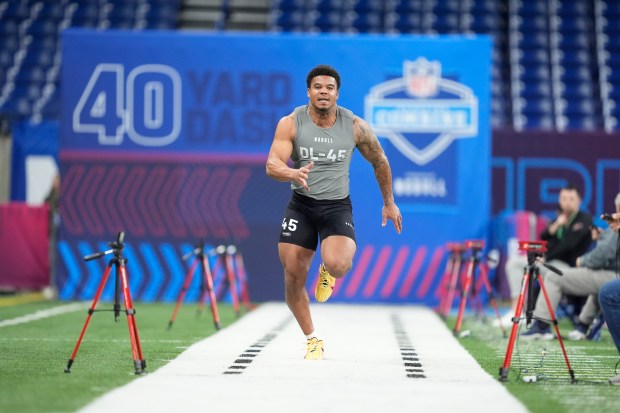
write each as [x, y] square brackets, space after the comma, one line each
[38, 315]
[365, 369]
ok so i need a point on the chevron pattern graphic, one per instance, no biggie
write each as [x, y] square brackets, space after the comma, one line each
[155, 273]
[183, 201]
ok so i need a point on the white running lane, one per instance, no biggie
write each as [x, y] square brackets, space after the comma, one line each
[257, 365]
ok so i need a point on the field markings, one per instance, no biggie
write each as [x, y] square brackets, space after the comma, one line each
[41, 314]
[378, 358]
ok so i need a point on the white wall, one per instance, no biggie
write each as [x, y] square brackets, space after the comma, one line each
[40, 173]
[5, 167]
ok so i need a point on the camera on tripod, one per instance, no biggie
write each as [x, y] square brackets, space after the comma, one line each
[474, 244]
[533, 246]
[454, 247]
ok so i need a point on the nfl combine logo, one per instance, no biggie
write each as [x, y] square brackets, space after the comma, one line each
[422, 102]
[421, 77]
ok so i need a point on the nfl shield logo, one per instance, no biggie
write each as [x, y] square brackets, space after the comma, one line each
[421, 77]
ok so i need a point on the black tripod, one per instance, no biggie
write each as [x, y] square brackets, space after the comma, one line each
[535, 250]
[120, 282]
[206, 285]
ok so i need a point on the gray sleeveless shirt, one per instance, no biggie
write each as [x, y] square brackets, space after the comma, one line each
[330, 149]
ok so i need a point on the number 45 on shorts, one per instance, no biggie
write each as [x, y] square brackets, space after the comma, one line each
[291, 225]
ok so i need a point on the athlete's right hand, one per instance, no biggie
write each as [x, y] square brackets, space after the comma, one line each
[301, 175]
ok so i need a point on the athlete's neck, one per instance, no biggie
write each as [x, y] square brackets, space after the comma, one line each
[323, 118]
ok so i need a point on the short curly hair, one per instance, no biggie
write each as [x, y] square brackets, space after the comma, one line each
[323, 70]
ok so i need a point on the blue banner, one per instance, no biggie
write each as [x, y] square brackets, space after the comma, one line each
[174, 128]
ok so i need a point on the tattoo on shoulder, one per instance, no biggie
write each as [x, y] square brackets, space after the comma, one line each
[367, 137]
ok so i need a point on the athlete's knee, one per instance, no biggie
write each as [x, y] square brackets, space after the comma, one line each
[338, 267]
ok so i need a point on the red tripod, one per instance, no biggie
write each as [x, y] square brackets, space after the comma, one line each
[233, 271]
[535, 249]
[243, 279]
[206, 285]
[121, 281]
[469, 283]
[230, 280]
[451, 277]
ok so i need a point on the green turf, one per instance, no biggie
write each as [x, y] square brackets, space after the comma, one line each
[13, 311]
[34, 354]
[593, 362]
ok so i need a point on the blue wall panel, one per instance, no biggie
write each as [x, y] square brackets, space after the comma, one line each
[164, 135]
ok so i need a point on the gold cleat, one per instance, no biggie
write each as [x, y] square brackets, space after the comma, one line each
[324, 286]
[315, 349]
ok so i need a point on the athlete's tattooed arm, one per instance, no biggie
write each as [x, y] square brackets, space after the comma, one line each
[369, 146]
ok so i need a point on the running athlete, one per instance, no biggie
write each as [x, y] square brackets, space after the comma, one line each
[320, 138]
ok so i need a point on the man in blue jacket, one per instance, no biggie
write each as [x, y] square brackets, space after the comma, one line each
[609, 298]
[592, 270]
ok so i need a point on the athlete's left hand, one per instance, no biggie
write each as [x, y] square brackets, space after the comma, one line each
[392, 213]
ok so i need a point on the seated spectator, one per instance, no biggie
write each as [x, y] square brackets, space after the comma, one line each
[568, 237]
[609, 299]
[592, 271]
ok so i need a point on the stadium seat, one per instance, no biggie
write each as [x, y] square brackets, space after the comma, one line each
[483, 23]
[287, 20]
[539, 122]
[327, 21]
[533, 90]
[533, 72]
[533, 23]
[366, 6]
[403, 23]
[537, 106]
[363, 23]
[51, 10]
[571, 73]
[530, 30]
[574, 7]
[576, 90]
[408, 7]
[6, 57]
[39, 38]
[532, 59]
[86, 11]
[485, 6]
[573, 23]
[288, 5]
[448, 23]
[326, 6]
[580, 123]
[17, 10]
[532, 8]
[576, 107]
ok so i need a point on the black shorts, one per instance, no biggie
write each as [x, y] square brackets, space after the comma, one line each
[305, 219]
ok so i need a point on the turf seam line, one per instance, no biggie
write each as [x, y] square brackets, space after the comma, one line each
[38, 315]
